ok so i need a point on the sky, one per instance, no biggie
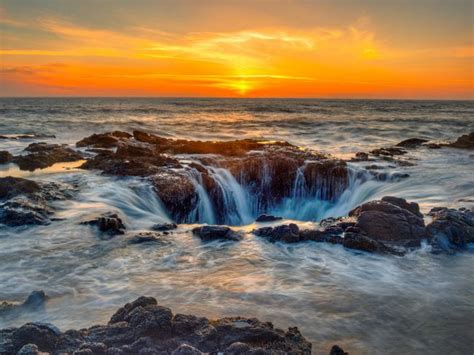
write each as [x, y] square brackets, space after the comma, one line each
[408, 49]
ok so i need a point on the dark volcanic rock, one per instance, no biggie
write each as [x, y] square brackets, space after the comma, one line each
[22, 211]
[104, 140]
[288, 233]
[35, 300]
[42, 155]
[12, 186]
[336, 350]
[360, 241]
[109, 223]
[267, 170]
[267, 218]
[412, 143]
[146, 237]
[208, 233]
[451, 227]
[464, 142]
[164, 227]
[391, 220]
[5, 157]
[388, 151]
[144, 327]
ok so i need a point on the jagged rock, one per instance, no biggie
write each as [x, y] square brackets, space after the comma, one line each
[208, 233]
[164, 227]
[103, 140]
[360, 241]
[288, 233]
[336, 350]
[44, 336]
[22, 211]
[361, 156]
[144, 327]
[109, 223]
[177, 192]
[266, 169]
[388, 151]
[392, 220]
[412, 143]
[5, 157]
[30, 349]
[42, 155]
[267, 218]
[464, 142]
[451, 227]
[13, 186]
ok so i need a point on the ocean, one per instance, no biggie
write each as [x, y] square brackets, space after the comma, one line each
[367, 303]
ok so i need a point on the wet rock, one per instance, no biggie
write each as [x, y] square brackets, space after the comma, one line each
[208, 233]
[288, 233]
[164, 227]
[42, 155]
[360, 241]
[451, 227]
[44, 336]
[146, 237]
[144, 327]
[104, 140]
[412, 143]
[361, 156]
[391, 219]
[433, 145]
[464, 142]
[22, 211]
[30, 349]
[13, 186]
[336, 350]
[34, 301]
[109, 223]
[267, 218]
[388, 151]
[177, 192]
[5, 157]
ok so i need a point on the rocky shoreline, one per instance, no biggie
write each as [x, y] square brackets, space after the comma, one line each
[144, 327]
[177, 169]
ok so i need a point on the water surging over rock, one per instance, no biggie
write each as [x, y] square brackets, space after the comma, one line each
[222, 182]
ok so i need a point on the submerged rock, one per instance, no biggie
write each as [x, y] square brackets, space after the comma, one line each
[144, 327]
[208, 233]
[451, 227]
[288, 233]
[464, 142]
[412, 143]
[35, 300]
[5, 157]
[267, 218]
[146, 237]
[42, 155]
[109, 223]
[164, 227]
[13, 186]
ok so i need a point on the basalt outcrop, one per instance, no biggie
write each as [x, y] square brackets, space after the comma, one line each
[24, 201]
[42, 155]
[144, 327]
[181, 170]
[451, 228]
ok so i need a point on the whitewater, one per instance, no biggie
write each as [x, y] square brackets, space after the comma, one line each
[364, 302]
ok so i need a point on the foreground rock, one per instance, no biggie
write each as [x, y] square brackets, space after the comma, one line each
[411, 143]
[209, 233]
[267, 170]
[24, 202]
[5, 157]
[43, 155]
[144, 327]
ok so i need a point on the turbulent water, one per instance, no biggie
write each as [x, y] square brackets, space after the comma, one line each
[366, 303]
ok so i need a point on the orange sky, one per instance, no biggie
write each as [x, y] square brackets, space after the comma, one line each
[358, 49]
